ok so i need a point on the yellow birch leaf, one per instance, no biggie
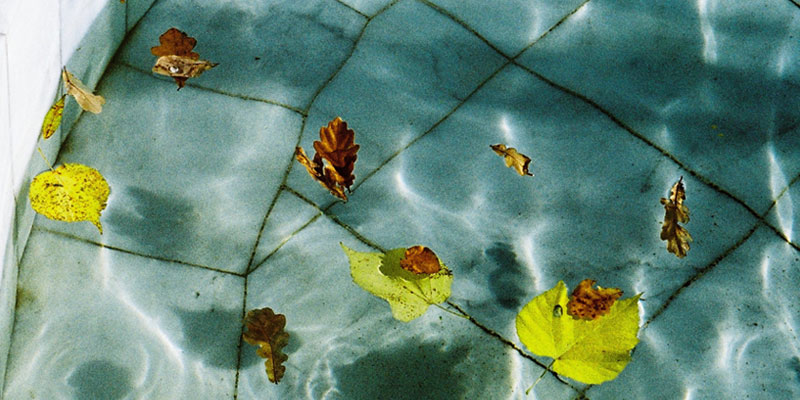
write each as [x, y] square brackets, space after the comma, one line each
[52, 119]
[83, 95]
[589, 351]
[70, 193]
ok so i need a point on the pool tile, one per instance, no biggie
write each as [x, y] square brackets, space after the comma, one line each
[592, 209]
[189, 182]
[713, 83]
[282, 51]
[397, 84]
[137, 327]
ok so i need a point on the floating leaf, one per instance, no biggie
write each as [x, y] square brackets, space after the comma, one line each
[589, 351]
[512, 158]
[176, 58]
[265, 329]
[408, 294]
[336, 145]
[53, 118]
[589, 303]
[677, 237]
[70, 193]
[420, 260]
[83, 95]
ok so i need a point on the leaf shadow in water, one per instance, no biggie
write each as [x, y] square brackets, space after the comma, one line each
[213, 335]
[411, 371]
[505, 281]
[100, 379]
[161, 225]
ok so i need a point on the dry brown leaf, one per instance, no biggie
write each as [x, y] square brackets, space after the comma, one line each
[589, 303]
[82, 95]
[420, 260]
[266, 330]
[176, 58]
[677, 237]
[513, 158]
[336, 145]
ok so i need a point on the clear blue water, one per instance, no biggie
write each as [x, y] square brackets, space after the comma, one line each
[210, 215]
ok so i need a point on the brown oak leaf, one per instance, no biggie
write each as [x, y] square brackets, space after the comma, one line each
[266, 330]
[420, 260]
[176, 58]
[589, 303]
[337, 147]
[677, 237]
[519, 161]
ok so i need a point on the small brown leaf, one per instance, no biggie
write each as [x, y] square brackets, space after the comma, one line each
[420, 260]
[336, 145]
[589, 303]
[513, 158]
[175, 43]
[677, 237]
[176, 58]
[266, 330]
[82, 94]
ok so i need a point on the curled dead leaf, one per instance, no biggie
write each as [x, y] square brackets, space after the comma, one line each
[266, 330]
[336, 145]
[677, 237]
[519, 161]
[176, 58]
[82, 94]
[589, 303]
[420, 260]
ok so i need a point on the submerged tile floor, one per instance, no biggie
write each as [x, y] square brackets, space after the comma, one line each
[210, 215]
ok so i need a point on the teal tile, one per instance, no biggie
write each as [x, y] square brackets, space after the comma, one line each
[282, 51]
[730, 334]
[98, 323]
[135, 11]
[345, 341]
[192, 173]
[398, 83]
[511, 25]
[713, 83]
[592, 209]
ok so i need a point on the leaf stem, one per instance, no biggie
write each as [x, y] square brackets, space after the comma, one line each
[460, 315]
[41, 153]
[540, 377]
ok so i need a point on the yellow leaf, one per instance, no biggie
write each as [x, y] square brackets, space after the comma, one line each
[519, 161]
[53, 118]
[589, 351]
[70, 193]
[83, 95]
[677, 237]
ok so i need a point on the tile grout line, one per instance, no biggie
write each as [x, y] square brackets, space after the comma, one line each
[212, 90]
[352, 8]
[251, 266]
[509, 343]
[241, 339]
[133, 253]
[795, 3]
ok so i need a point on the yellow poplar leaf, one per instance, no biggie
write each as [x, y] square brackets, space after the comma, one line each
[83, 95]
[70, 193]
[409, 294]
[53, 118]
[589, 351]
